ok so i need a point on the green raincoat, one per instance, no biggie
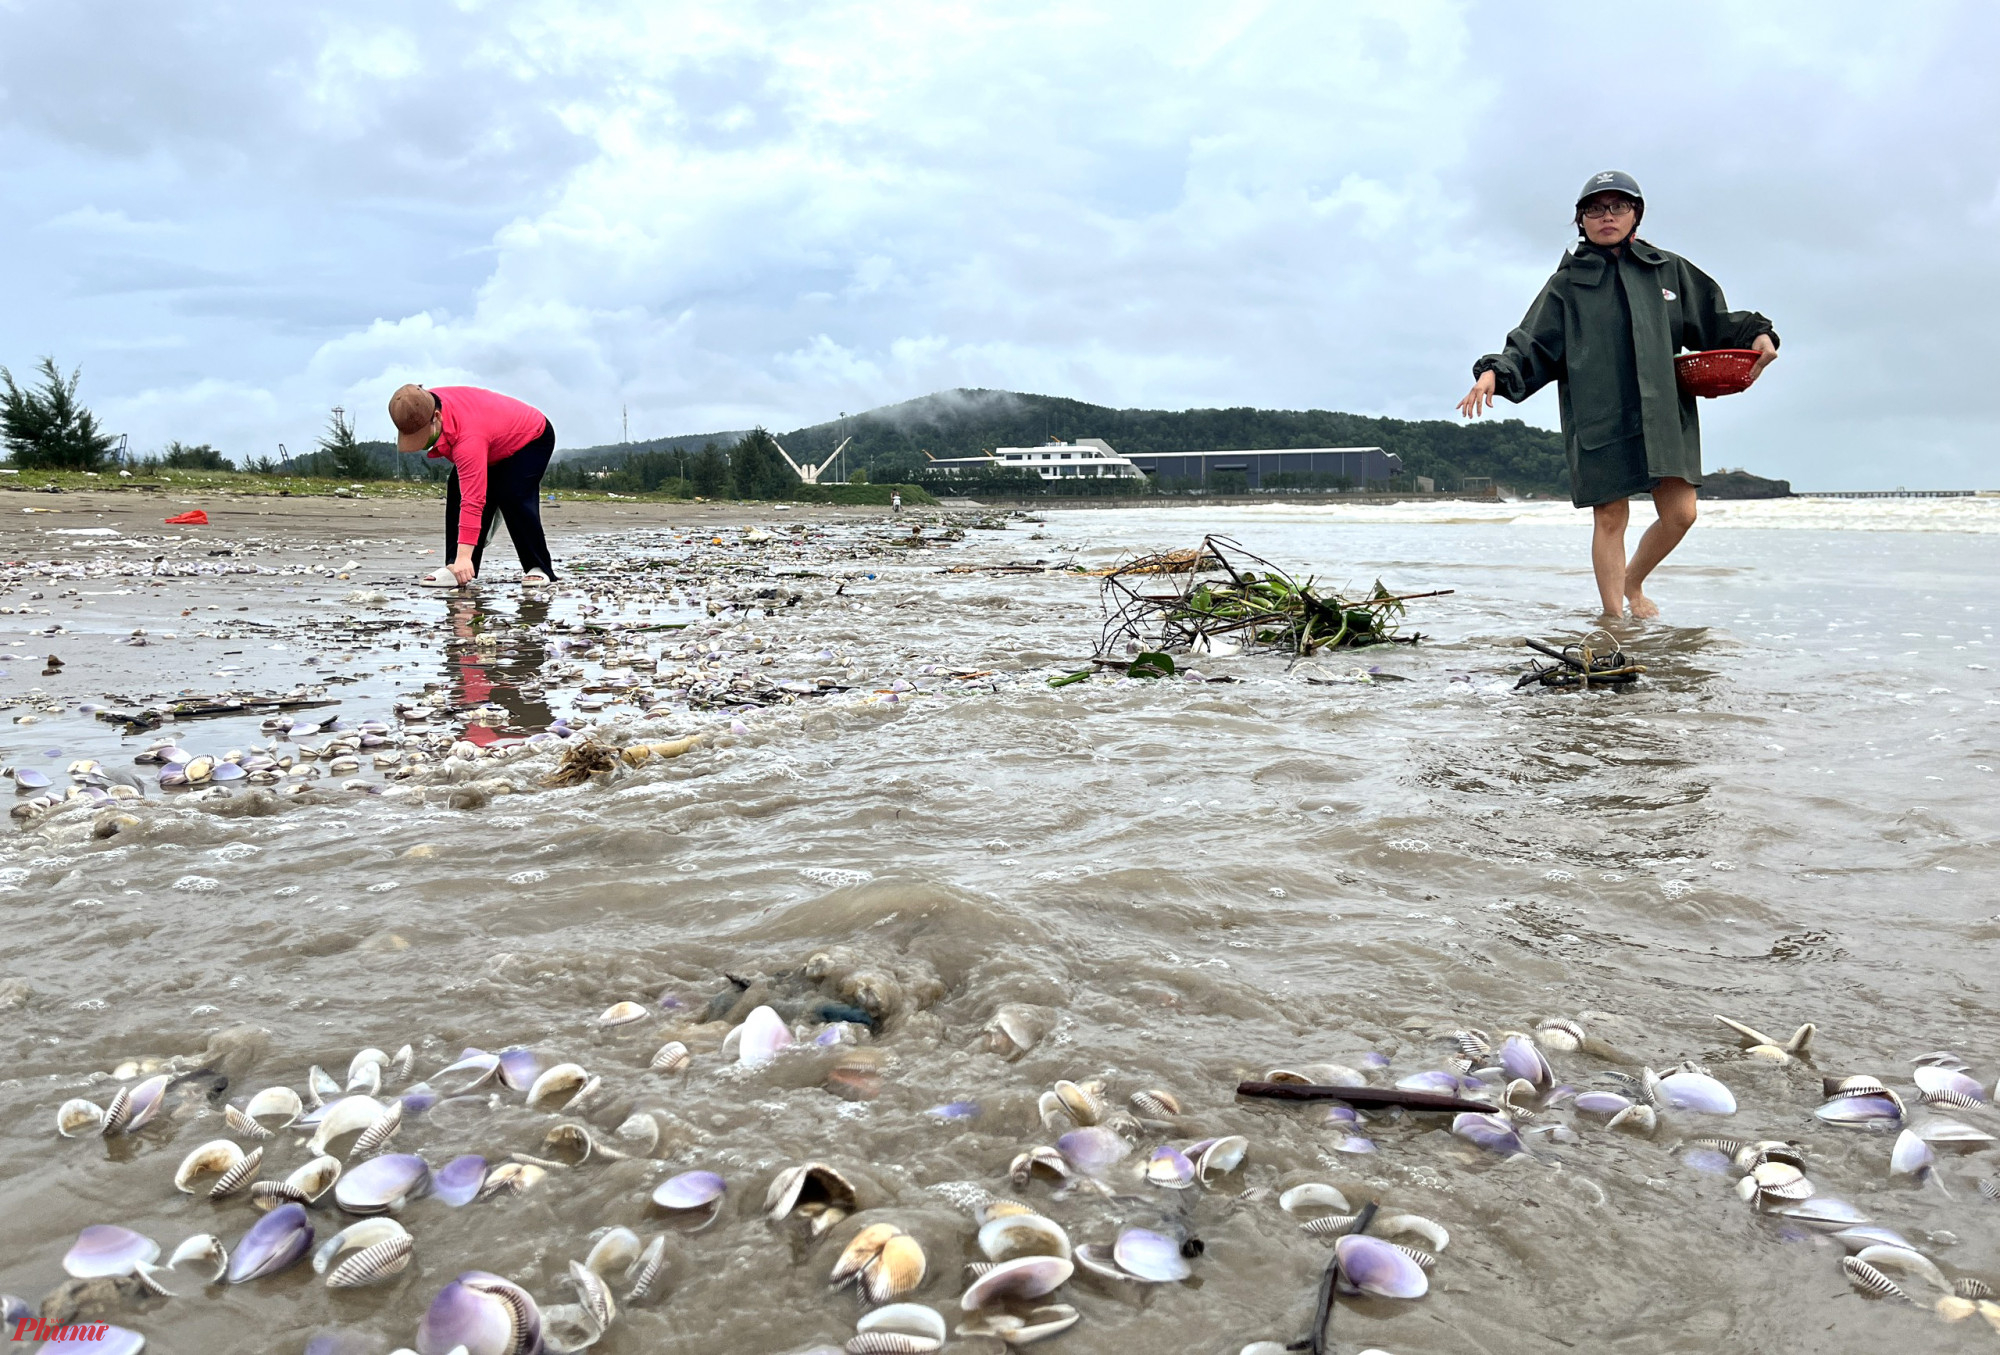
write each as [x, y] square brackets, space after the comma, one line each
[1605, 329]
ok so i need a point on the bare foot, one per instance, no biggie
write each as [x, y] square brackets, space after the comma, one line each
[1643, 607]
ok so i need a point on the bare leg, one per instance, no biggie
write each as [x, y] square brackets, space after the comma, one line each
[1675, 501]
[1607, 554]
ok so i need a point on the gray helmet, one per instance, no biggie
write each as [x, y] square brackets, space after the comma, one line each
[1611, 181]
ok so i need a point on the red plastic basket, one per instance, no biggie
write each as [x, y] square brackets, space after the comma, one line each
[1719, 371]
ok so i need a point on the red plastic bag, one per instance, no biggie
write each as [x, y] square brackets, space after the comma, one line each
[192, 518]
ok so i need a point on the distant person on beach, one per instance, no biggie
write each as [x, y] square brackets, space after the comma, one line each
[895, 500]
[499, 449]
[1605, 329]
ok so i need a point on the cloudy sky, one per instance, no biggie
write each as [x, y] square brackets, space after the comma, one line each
[234, 216]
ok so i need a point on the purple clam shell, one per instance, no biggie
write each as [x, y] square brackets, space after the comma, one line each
[1354, 1143]
[458, 1181]
[954, 1110]
[419, 1099]
[1697, 1092]
[227, 771]
[1602, 1103]
[472, 1312]
[278, 1240]
[1864, 1109]
[1169, 1166]
[1146, 1255]
[1342, 1113]
[382, 1183]
[27, 778]
[689, 1190]
[1932, 1081]
[1093, 1151]
[1494, 1133]
[519, 1068]
[112, 1341]
[1374, 1267]
[1709, 1160]
[107, 1249]
[1430, 1080]
[1520, 1058]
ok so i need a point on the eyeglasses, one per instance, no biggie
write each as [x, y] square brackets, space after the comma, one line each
[1597, 211]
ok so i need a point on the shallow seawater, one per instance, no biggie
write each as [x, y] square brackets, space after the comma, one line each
[1791, 819]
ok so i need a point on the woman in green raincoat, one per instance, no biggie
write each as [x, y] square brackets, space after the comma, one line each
[1605, 329]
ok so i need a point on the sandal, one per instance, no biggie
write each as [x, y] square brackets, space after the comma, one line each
[439, 578]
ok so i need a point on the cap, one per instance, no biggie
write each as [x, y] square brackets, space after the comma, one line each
[411, 409]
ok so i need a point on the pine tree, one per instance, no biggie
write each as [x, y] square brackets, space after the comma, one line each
[346, 457]
[47, 429]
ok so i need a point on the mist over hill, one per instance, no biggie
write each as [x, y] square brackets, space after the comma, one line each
[890, 442]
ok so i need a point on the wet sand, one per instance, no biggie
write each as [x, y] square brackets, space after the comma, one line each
[1190, 882]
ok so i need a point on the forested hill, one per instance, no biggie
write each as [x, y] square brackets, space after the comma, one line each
[890, 442]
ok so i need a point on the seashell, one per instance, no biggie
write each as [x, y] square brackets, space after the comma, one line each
[1947, 1083]
[240, 1123]
[518, 1069]
[690, 1190]
[204, 1247]
[1942, 1058]
[646, 1273]
[617, 1250]
[268, 1195]
[320, 1086]
[1637, 1118]
[760, 1037]
[860, 1250]
[1561, 1034]
[1862, 1108]
[1084, 1104]
[512, 1177]
[482, 1314]
[134, 1107]
[1371, 1266]
[1008, 1237]
[1776, 1181]
[380, 1132]
[1040, 1160]
[1971, 1287]
[197, 770]
[1904, 1260]
[898, 1329]
[105, 1249]
[1330, 1225]
[315, 1178]
[593, 1294]
[811, 1184]
[1825, 1211]
[1170, 1167]
[954, 1110]
[1413, 1225]
[1911, 1156]
[1942, 1130]
[1025, 1277]
[1473, 1044]
[418, 1099]
[556, 1087]
[1603, 1103]
[1155, 1104]
[1436, 1081]
[1313, 1195]
[77, 1117]
[1015, 1028]
[622, 1014]
[400, 1065]
[1218, 1157]
[349, 1115]
[1697, 1092]
[274, 1243]
[382, 1184]
[572, 1143]
[368, 1081]
[896, 1270]
[1854, 1239]
[1494, 1133]
[473, 1069]
[358, 1066]
[1093, 1150]
[235, 1178]
[1049, 1107]
[1520, 1058]
[1149, 1256]
[671, 1058]
[363, 1253]
[1038, 1323]
[567, 1328]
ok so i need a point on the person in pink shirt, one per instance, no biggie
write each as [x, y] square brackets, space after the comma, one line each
[499, 449]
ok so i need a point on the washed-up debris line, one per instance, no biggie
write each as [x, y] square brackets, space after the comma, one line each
[1596, 661]
[1222, 599]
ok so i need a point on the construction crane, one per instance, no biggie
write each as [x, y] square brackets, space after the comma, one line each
[810, 474]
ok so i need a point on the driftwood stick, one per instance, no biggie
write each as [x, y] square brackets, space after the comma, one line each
[1367, 1097]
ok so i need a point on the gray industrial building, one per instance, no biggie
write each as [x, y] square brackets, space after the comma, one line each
[1296, 467]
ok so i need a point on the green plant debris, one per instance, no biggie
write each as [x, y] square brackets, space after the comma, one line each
[1235, 602]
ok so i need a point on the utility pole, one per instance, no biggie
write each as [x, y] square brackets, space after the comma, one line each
[624, 425]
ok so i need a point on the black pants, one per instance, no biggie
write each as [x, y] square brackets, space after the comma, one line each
[513, 492]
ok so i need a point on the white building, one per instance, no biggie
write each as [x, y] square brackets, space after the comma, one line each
[1086, 458]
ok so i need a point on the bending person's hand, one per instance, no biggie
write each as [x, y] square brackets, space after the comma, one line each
[461, 568]
[1767, 353]
[1480, 398]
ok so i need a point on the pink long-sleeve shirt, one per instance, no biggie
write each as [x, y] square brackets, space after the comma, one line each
[480, 427]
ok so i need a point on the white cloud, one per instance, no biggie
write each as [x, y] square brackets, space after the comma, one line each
[721, 214]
